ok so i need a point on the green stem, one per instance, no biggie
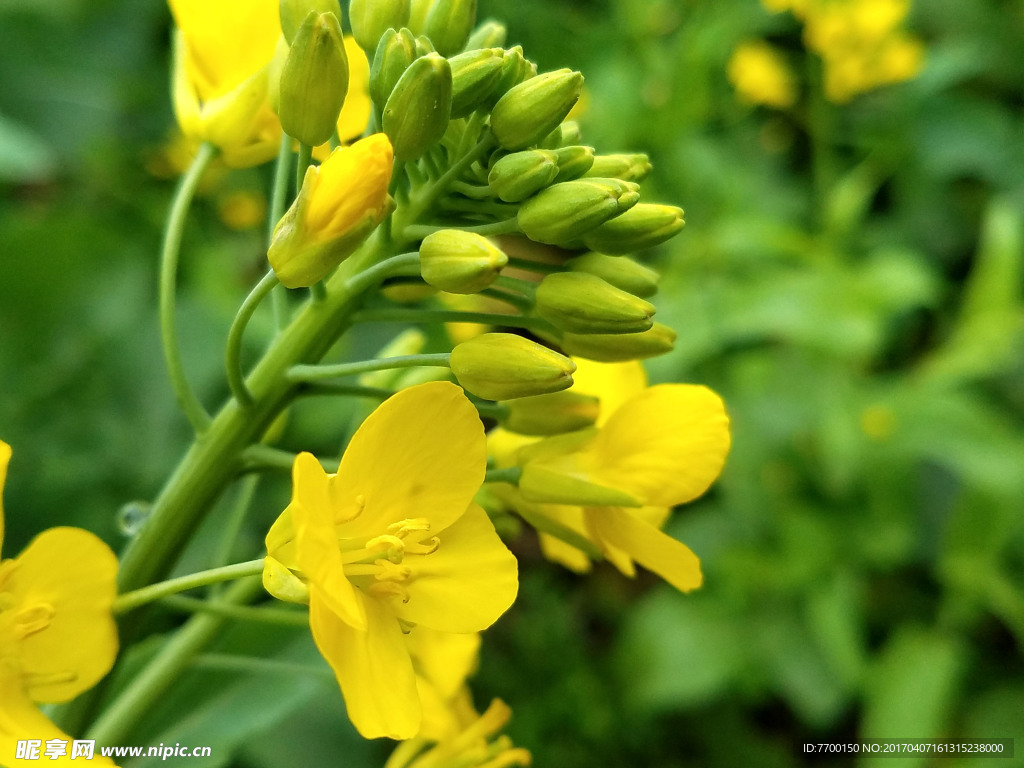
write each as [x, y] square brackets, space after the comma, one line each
[252, 665]
[504, 227]
[187, 399]
[426, 198]
[134, 599]
[531, 265]
[516, 300]
[319, 372]
[545, 524]
[260, 457]
[278, 205]
[149, 685]
[305, 158]
[278, 616]
[506, 475]
[235, 521]
[402, 315]
[473, 191]
[236, 378]
[347, 390]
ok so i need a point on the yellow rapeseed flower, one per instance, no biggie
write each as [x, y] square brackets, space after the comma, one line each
[652, 448]
[57, 635]
[760, 75]
[340, 203]
[390, 543]
[221, 87]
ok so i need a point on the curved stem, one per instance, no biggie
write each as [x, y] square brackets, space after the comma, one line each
[421, 202]
[187, 399]
[134, 599]
[279, 616]
[278, 205]
[319, 372]
[236, 379]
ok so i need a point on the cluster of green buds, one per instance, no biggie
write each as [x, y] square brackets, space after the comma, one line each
[492, 188]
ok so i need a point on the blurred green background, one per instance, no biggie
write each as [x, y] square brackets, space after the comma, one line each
[850, 280]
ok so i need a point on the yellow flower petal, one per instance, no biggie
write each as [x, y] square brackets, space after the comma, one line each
[467, 583]
[665, 446]
[421, 454]
[373, 669]
[445, 659]
[5, 458]
[612, 383]
[20, 720]
[62, 587]
[656, 551]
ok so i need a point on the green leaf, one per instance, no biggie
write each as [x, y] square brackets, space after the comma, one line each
[25, 158]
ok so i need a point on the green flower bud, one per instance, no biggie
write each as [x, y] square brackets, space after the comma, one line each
[396, 51]
[517, 176]
[634, 167]
[424, 46]
[370, 19]
[460, 262]
[564, 212]
[565, 135]
[530, 110]
[645, 226]
[577, 302]
[620, 271]
[515, 69]
[573, 162]
[490, 34]
[552, 414]
[418, 10]
[294, 13]
[620, 347]
[448, 23]
[503, 366]
[474, 76]
[541, 483]
[314, 80]
[417, 112]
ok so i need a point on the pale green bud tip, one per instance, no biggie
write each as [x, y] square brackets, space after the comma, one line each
[314, 80]
[460, 262]
[573, 162]
[630, 167]
[503, 366]
[446, 22]
[645, 226]
[294, 12]
[395, 52]
[475, 74]
[620, 271]
[418, 110]
[370, 19]
[577, 302]
[516, 177]
[620, 347]
[564, 212]
[530, 110]
[552, 414]
[490, 34]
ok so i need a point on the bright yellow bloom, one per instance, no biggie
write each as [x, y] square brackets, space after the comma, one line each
[442, 661]
[57, 636]
[760, 75]
[653, 448]
[391, 542]
[222, 81]
[340, 203]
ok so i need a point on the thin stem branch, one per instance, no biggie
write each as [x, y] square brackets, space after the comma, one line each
[187, 399]
[504, 227]
[131, 600]
[320, 372]
[279, 616]
[426, 198]
[506, 475]
[255, 665]
[278, 205]
[305, 158]
[403, 315]
[233, 357]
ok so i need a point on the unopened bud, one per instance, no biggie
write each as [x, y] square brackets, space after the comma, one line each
[314, 80]
[573, 162]
[577, 302]
[424, 46]
[503, 366]
[515, 69]
[563, 213]
[564, 135]
[516, 177]
[460, 262]
[644, 226]
[474, 77]
[395, 52]
[370, 19]
[620, 347]
[417, 112]
[620, 271]
[552, 414]
[490, 34]
[446, 22]
[632, 167]
[294, 12]
[530, 110]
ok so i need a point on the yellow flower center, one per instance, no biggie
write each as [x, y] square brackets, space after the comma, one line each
[377, 564]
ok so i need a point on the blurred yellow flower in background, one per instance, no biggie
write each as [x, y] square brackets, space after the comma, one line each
[760, 75]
